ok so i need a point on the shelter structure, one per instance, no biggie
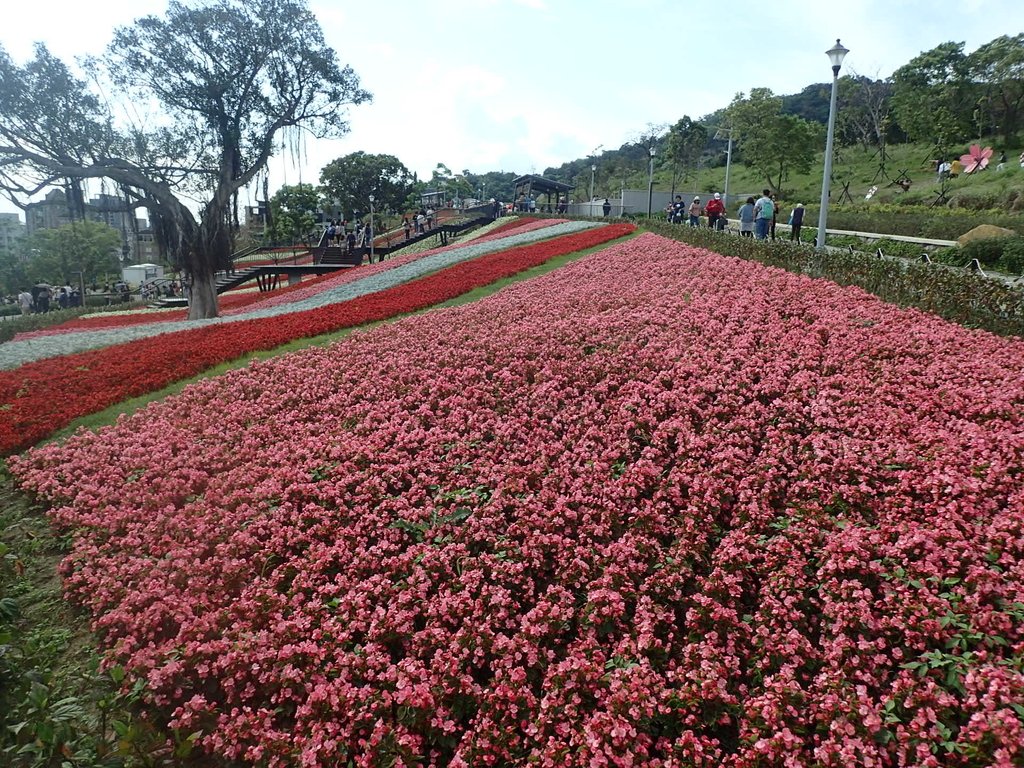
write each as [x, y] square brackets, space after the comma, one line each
[532, 186]
[434, 198]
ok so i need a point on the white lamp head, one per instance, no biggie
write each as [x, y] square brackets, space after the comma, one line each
[836, 54]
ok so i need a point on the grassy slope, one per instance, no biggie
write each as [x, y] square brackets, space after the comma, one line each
[989, 189]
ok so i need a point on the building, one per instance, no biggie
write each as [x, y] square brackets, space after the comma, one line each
[49, 213]
[147, 250]
[11, 230]
[138, 243]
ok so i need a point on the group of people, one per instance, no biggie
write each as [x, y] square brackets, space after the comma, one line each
[419, 222]
[678, 211]
[757, 218]
[43, 298]
[339, 233]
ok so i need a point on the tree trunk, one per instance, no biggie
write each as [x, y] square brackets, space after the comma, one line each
[203, 299]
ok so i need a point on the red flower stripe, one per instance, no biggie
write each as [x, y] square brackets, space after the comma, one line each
[41, 397]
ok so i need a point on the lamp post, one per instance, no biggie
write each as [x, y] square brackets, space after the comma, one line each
[836, 54]
[593, 170]
[371, 229]
[726, 133]
[650, 181]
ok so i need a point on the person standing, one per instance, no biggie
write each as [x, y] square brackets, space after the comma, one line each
[606, 207]
[764, 211]
[746, 216]
[694, 212]
[677, 209]
[43, 299]
[25, 302]
[715, 210]
[796, 220]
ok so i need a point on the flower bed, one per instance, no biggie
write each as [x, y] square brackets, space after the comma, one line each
[235, 306]
[230, 302]
[41, 397]
[709, 514]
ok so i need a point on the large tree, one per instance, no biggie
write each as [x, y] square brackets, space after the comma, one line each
[348, 182]
[998, 69]
[932, 96]
[771, 142]
[225, 78]
[293, 212]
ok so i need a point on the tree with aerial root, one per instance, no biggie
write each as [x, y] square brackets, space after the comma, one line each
[186, 108]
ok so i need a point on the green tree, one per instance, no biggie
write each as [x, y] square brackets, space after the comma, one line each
[686, 142]
[292, 212]
[998, 68]
[931, 97]
[771, 142]
[226, 77]
[58, 255]
[348, 182]
[496, 184]
[454, 185]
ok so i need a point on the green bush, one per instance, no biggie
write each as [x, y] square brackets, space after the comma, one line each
[988, 252]
[899, 248]
[939, 223]
[1012, 260]
[9, 310]
[952, 256]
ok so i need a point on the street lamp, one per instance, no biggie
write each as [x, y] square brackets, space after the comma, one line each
[371, 228]
[836, 54]
[593, 170]
[726, 133]
[650, 182]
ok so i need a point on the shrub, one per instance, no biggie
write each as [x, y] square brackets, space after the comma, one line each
[988, 252]
[1012, 260]
[939, 223]
[899, 248]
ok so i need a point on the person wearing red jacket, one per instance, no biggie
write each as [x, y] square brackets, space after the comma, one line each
[715, 209]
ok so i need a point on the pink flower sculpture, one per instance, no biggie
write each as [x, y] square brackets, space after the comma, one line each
[977, 159]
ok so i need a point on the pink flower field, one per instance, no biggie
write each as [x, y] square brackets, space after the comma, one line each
[656, 508]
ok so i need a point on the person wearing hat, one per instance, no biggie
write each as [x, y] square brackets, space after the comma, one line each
[694, 212]
[796, 220]
[715, 210]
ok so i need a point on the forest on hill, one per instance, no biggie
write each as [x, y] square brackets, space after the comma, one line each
[942, 100]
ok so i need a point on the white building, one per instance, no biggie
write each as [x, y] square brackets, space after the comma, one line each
[137, 274]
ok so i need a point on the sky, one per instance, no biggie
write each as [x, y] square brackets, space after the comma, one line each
[523, 85]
